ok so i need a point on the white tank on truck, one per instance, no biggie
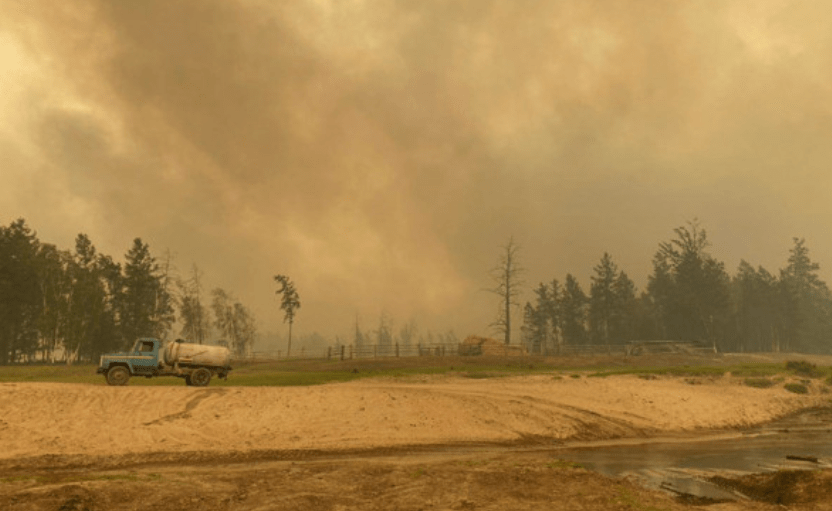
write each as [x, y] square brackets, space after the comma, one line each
[189, 354]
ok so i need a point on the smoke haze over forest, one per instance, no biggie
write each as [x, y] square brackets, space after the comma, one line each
[380, 152]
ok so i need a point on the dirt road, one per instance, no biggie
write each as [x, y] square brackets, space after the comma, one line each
[352, 445]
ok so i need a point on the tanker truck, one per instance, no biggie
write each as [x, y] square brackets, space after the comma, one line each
[195, 363]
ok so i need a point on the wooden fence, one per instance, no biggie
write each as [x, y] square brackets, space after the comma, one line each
[349, 352]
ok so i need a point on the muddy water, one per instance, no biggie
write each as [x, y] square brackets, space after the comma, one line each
[683, 467]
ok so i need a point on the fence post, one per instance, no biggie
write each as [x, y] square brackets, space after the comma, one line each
[351, 351]
[375, 350]
[397, 350]
[329, 352]
[342, 351]
[443, 350]
[419, 349]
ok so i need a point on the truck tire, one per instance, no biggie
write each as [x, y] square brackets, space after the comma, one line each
[118, 375]
[201, 377]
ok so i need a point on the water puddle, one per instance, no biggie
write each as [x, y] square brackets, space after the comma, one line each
[802, 441]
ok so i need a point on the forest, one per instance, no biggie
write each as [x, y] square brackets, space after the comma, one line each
[689, 296]
[76, 305]
[82, 303]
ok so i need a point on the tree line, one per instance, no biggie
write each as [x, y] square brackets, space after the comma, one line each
[689, 296]
[387, 335]
[82, 303]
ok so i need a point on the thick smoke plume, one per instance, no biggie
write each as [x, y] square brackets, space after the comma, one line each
[380, 152]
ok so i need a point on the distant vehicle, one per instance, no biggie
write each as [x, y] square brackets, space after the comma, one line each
[196, 363]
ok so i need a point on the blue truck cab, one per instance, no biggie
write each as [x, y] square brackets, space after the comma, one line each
[141, 360]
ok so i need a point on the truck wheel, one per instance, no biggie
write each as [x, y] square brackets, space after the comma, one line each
[188, 380]
[200, 377]
[118, 375]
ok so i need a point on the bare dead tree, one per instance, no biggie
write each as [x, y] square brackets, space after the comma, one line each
[506, 276]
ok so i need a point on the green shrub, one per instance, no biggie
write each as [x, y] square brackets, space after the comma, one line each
[803, 368]
[759, 383]
[797, 388]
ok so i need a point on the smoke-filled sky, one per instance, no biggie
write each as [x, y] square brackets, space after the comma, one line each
[380, 152]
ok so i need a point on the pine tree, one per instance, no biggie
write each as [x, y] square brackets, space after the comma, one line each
[602, 300]
[758, 315]
[21, 301]
[145, 307]
[289, 302]
[573, 312]
[624, 317]
[689, 289]
[87, 302]
[807, 301]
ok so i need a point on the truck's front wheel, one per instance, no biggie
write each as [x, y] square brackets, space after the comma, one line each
[201, 377]
[118, 375]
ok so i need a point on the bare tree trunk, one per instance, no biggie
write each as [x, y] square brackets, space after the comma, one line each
[289, 348]
[508, 310]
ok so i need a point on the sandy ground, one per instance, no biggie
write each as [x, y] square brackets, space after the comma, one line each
[65, 419]
[355, 446]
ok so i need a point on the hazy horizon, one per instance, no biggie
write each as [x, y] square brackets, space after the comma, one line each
[380, 153]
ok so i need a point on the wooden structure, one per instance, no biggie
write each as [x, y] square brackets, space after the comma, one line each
[476, 345]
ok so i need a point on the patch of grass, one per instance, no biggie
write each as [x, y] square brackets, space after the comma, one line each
[305, 372]
[58, 373]
[756, 370]
[759, 383]
[277, 373]
[804, 368]
[797, 388]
